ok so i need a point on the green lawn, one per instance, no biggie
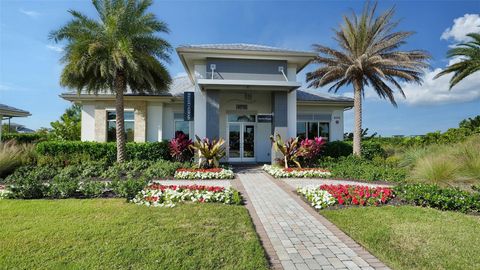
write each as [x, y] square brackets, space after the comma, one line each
[409, 237]
[113, 234]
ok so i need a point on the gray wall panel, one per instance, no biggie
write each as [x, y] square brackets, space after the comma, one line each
[246, 69]
[213, 118]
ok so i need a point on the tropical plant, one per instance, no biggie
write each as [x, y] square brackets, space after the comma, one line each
[14, 155]
[368, 56]
[210, 151]
[180, 147]
[469, 63]
[69, 126]
[312, 149]
[119, 51]
[471, 123]
[290, 150]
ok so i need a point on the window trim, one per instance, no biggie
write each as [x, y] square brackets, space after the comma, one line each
[318, 128]
[107, 110]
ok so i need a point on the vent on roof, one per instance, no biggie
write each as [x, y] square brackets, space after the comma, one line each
[242, 107]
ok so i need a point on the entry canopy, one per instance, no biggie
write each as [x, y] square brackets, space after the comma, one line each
[207, 84]
[9, 112]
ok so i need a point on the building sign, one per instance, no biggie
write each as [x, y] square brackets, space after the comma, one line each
[188, 105]
[264, 118]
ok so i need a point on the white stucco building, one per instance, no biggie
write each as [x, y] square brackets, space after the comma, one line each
[243, 93]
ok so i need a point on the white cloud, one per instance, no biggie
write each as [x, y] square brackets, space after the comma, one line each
[436, 91]
[462, 26]
[30, 13]
[54, 48]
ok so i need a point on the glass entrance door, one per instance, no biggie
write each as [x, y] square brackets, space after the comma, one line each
[241, 142]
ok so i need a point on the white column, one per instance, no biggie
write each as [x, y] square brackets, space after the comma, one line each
[292, 114]
[200, 105]
[155, 122]
[88, 123]
[336, 125]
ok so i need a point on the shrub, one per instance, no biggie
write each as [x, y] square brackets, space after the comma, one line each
[62, 187]
[371, 150]
[428, 195]
[92, 189]
[25, 137]
[210, 152]
[337, 149]
[290, 149]
[128, 188]
[103, 151]
[129, 169]
[14, 155]
[352, 167]
[180, 149]
[164, 169]
[312, 149]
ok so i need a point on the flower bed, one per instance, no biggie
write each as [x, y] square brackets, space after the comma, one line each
[279, 172]
[317, 197]
[215, 173]
[158, 195]
[346, 195]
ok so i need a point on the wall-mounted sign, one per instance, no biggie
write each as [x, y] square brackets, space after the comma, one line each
[188, 106]
[264, 118]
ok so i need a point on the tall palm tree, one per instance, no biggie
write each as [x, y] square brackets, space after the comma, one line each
[469, 54]
[368, 56]
[120, 50]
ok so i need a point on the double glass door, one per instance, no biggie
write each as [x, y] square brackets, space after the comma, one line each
[241, 142]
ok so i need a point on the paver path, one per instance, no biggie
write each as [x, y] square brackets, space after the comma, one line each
[299, 239]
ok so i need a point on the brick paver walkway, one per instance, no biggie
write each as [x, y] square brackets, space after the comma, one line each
[299, 239]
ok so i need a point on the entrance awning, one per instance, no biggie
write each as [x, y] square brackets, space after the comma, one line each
[209, 84]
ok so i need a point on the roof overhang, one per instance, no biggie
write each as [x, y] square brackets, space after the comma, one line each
[206, 84]
[189, 56]
[345, 104]
[14, 113]
[106, 97]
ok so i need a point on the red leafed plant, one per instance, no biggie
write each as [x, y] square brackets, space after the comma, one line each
[311, 150]
[359, 195]
[180, 147]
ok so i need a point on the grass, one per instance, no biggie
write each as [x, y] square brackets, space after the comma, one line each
[447, 165]
[113, 234]
[410, 237]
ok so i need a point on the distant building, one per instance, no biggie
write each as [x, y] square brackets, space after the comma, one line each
[8, 112]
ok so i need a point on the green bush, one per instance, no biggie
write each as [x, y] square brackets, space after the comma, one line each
[352, 167]
[164, 169]
[129, 169]
[25, 137]
[92, 189]
[63, 187]
[441, 198]
[371, 150]
[128, 188]
[337, 149]
[103, 151]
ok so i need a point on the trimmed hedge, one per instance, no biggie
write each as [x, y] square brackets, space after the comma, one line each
[25, 137]
[104, 151]
[338, 149]
[451, 199]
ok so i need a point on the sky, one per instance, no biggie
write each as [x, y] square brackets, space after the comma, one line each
[30, 63]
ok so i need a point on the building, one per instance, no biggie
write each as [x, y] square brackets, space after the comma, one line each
[7, 113]
[240, 92]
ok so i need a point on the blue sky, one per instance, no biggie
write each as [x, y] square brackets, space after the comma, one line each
[30, 68]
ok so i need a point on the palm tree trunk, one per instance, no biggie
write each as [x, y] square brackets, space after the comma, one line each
[357, 106]
[120, 88]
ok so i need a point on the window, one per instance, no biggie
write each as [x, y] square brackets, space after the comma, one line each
[313, 129]
[180, 125]
[129, 124]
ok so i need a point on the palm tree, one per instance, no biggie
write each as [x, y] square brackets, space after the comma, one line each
[118, 51]
[368, 56]
[469, 54]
